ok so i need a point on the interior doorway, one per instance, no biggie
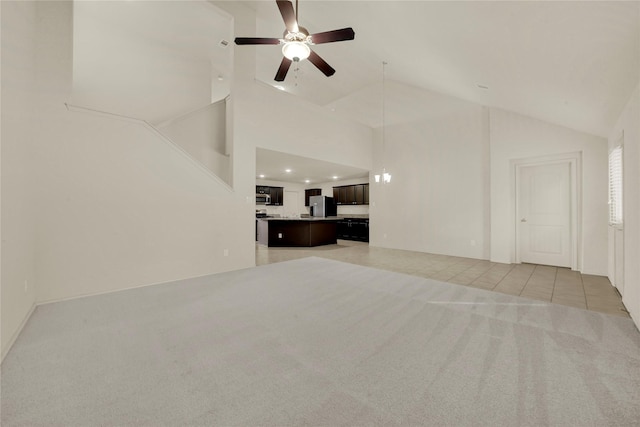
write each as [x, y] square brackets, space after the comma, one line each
[546, 212]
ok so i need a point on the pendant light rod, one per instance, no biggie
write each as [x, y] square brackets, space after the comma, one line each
[384, 65]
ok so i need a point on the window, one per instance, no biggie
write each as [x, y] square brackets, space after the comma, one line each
[615, 186]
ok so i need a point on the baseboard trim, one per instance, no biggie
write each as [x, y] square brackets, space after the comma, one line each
[51, 301]
[17, 333]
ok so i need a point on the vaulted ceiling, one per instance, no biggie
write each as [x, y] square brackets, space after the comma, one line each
[572, 63]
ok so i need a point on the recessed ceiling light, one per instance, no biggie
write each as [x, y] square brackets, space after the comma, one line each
[307, 181]
[287, 170]
[335, 177]
[261, 176]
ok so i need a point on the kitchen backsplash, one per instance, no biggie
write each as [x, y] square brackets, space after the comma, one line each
[353, 210]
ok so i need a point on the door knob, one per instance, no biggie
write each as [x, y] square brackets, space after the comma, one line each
[523, 220]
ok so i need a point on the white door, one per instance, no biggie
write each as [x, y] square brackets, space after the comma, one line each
[544, 214]
[290, 203]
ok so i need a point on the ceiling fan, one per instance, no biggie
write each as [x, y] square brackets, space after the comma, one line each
[296, 41]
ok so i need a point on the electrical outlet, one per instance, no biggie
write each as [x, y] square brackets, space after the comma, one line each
[226, 252]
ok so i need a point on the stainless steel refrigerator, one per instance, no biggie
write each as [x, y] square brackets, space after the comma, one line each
[322, 206]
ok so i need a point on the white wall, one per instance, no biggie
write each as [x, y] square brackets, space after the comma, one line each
[514, 136]
[119, 207]
[122, 209]
[629, 124]
[451, 190]
[437, 199]
[121, 70]
[202, 133]
[18, 252]
[273, 120]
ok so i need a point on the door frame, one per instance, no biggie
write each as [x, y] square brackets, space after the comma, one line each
[616, 231]
[575, 187]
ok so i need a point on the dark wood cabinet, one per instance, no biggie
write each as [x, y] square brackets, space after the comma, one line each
[351, 194]
[343, 229]
[340, 195]
[342, 198]
[294, 233]
[358, 194]
[277, 196]
[311, 192]
[350, 197]
[353, 229]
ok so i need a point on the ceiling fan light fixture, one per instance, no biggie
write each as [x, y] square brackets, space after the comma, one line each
[296, 51]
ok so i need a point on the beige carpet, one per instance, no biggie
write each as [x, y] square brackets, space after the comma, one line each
[320, 342]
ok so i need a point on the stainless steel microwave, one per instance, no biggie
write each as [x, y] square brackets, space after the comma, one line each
[262, 199]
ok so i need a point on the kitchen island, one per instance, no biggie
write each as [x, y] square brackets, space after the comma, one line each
[298, 232]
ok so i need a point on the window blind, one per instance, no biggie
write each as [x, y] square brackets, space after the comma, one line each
[615, 186]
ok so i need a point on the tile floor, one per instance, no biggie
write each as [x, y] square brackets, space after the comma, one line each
[545, 283]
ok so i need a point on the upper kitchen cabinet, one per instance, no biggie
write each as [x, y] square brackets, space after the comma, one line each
[311, 192]
[262, 189]
[277, 196]
[270, 196]
[351, 194]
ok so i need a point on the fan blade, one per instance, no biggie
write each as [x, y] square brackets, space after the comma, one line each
[256, 40]
[333, 36]
[288, 15]
[283, 69]
[322, 65]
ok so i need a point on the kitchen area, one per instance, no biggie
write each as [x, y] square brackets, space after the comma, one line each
[307, 203]
[320, 223]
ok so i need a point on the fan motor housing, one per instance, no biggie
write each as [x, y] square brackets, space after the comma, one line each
[301, 36]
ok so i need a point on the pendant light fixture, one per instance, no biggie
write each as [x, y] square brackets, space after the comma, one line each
[384, 177]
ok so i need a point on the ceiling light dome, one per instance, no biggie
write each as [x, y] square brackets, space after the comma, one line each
[296, 51]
